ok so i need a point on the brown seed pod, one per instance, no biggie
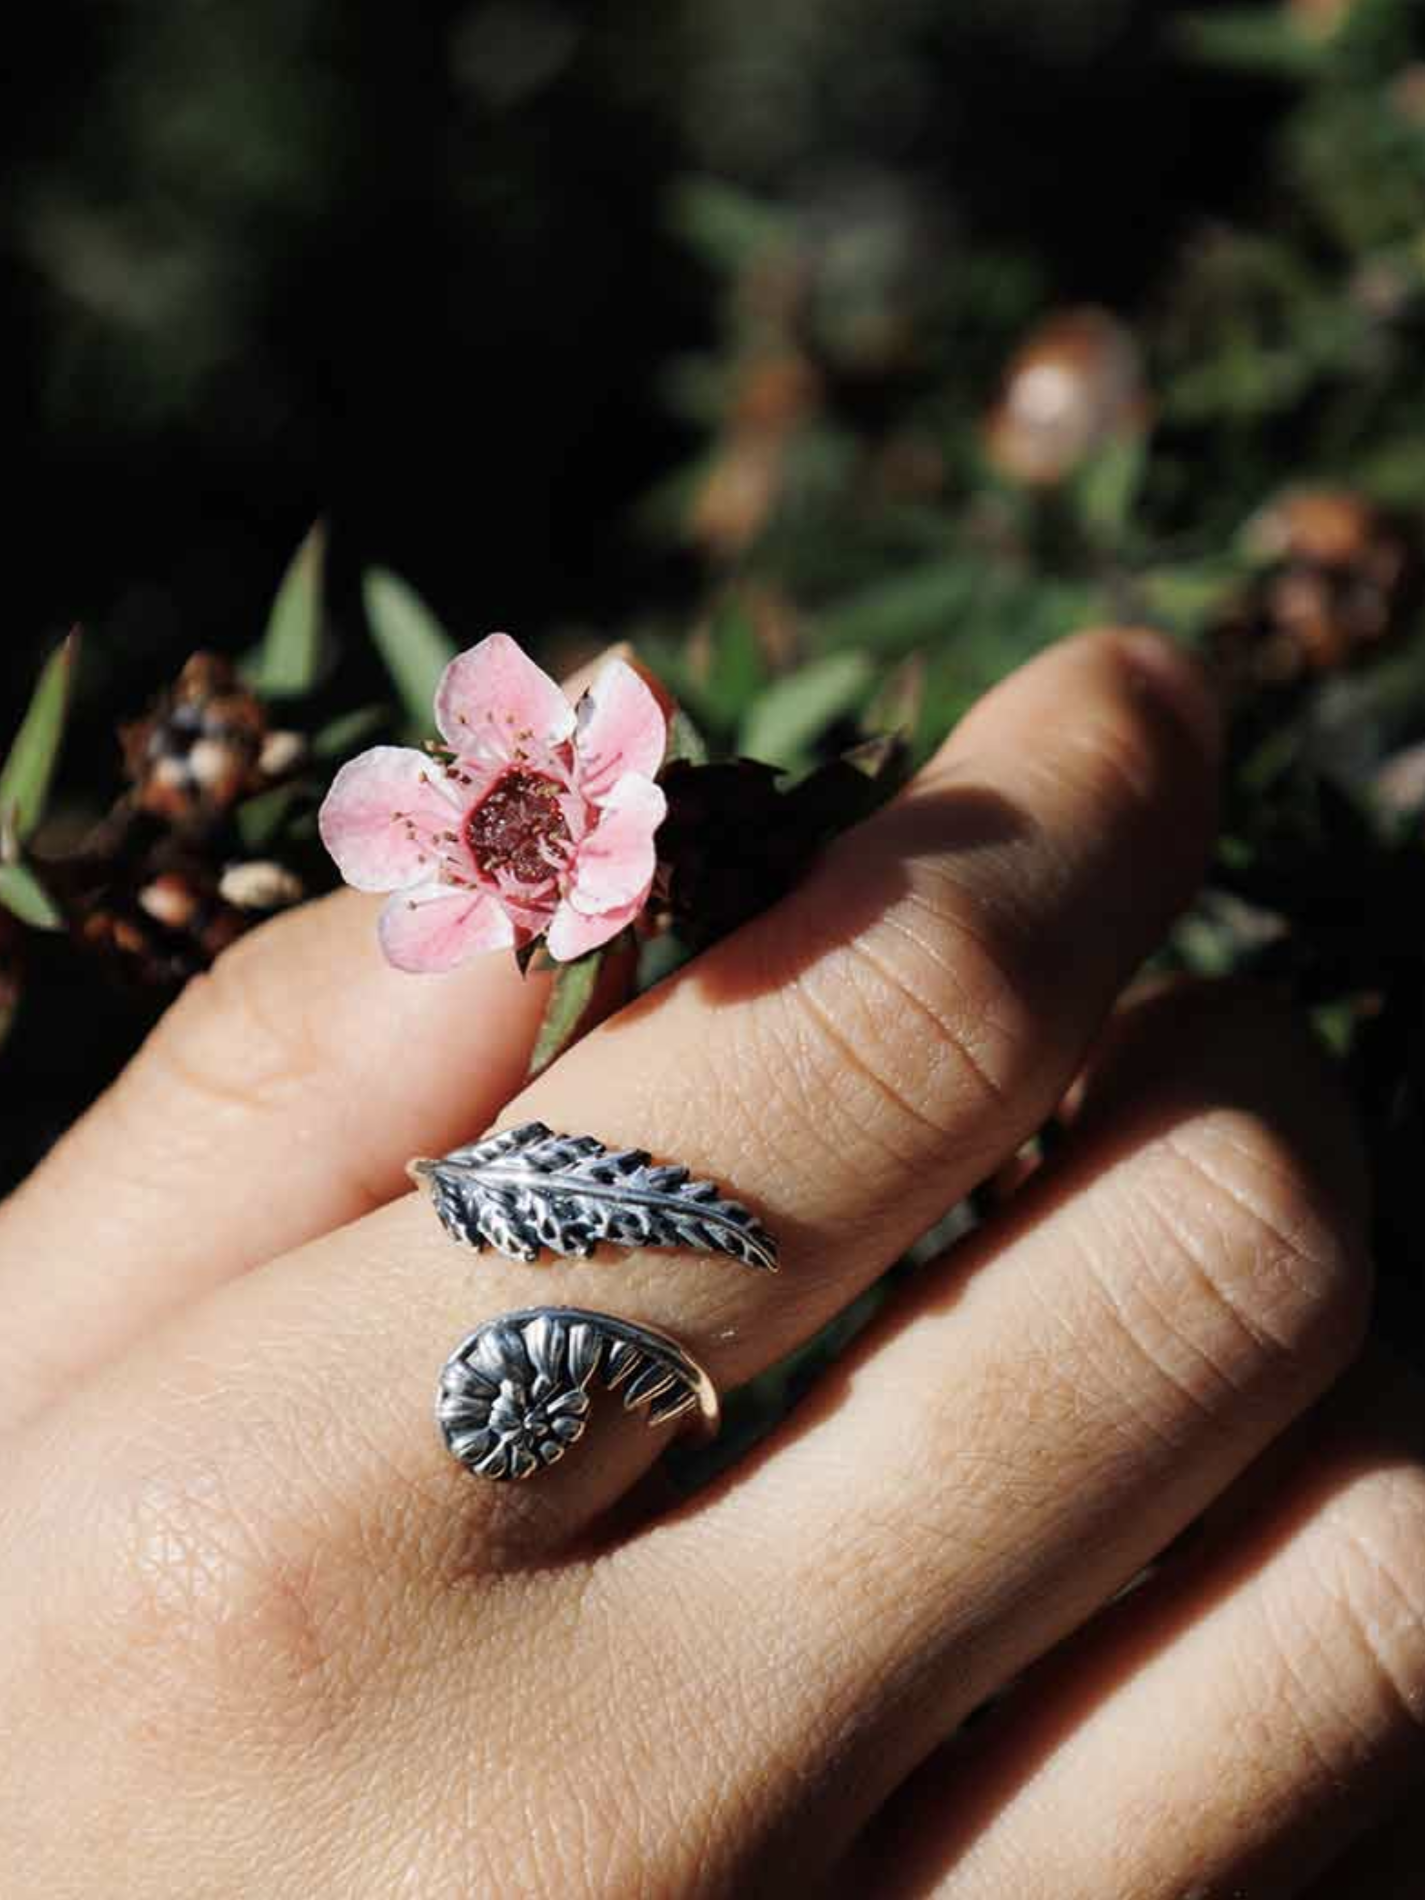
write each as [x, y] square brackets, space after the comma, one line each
[1074, 385]
[1338, 577]
[197, 751]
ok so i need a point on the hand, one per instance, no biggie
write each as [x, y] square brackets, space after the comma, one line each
[262, 1636]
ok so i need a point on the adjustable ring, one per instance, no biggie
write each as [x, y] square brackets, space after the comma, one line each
[527, 1188]
[515, 1395]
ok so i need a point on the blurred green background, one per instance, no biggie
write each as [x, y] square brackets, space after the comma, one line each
[424, 270]
[840, 352]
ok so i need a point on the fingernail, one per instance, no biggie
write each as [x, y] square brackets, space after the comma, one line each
[1175, 680]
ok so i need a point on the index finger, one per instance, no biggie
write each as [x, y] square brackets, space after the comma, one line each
[276, 1100]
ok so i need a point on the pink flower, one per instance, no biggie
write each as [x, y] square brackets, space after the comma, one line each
[540, 824]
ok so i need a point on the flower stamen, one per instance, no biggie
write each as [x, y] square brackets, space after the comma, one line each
[516, 825]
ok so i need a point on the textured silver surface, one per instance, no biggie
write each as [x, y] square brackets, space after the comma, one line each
[527, 1188]
[515, 1395]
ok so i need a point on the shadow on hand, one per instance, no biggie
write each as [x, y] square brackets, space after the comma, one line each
[847, 890]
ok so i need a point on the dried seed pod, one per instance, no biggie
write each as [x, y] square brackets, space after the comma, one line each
[777, 390]
[281, 753]
[152, 907]
[1320, 527]
[1075, 384]
[1339, 577]
[736, 500]
[171, 900]
[197, 752]
[259, 884]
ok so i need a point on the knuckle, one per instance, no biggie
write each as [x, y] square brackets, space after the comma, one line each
[1245, 1280]
[926, 1021]
[212, 1614]
[236, 1036]
[1110, 764]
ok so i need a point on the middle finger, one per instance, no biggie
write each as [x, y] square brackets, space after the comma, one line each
[850, 1063]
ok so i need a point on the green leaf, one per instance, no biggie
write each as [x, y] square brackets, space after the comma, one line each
[569, 997]
[25, 897]
[29, 768]
[898, 702]
[904, 610]
[1265, 39]
[1106, 488]
[286, 660]
[724, 225]
[686, 745]
[796, 709]
[737, 672]
[261, 818]
[345, 733]
[880, 757]
[1188, 598]
[412, 642]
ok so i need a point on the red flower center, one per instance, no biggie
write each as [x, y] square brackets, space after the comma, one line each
[519, 828]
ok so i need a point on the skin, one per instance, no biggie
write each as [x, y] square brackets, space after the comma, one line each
[260, 1635]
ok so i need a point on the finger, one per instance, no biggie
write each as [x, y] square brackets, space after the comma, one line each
[261, 1111]
[1056, 1404]
[277, 1099]
[1233, 1727]
[850, 1064]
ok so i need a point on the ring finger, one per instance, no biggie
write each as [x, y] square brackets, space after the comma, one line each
[1045, 1412]
[1250, 1714]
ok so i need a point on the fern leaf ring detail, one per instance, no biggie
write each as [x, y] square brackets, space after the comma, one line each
[526, 1189]
[515, 1395]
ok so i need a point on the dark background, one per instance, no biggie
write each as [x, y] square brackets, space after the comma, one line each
[415, 269]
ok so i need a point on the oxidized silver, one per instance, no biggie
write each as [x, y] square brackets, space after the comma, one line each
[527, 1188]
[515, 1395]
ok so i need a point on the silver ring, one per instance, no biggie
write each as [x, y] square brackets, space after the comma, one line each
[515, 1396]
[527, 1188]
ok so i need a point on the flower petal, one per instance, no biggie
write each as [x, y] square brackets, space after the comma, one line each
[622, 728]
[572, 933]
[615, 861]
[435, 928]
[379, 815]
[494, 702]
